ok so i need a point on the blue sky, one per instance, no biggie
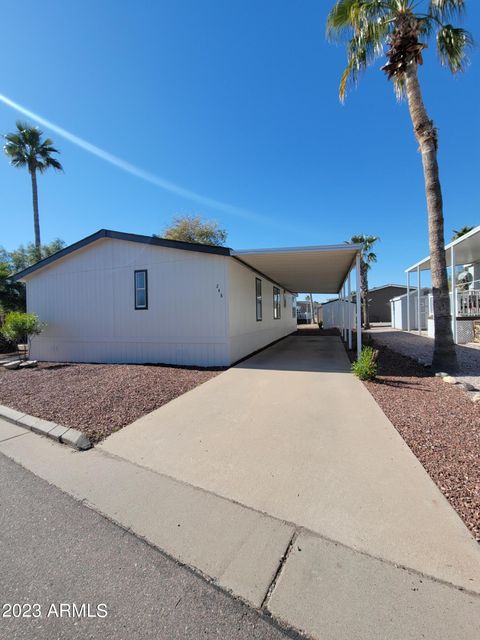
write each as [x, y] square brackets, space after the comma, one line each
[236, 101]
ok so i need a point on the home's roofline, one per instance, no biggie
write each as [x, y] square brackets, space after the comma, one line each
[119, 235]
[386, 286]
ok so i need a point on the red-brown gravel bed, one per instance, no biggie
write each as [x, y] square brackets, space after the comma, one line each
[440, 424]
[97, 399]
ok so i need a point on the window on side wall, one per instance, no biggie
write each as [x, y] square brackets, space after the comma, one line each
[141, 289]
[276, 303]
[258, 298]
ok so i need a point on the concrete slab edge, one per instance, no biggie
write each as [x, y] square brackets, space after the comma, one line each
[66, 435]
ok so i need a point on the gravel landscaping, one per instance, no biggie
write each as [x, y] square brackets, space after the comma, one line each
[97, 399]
[421, 347]
[439, 423]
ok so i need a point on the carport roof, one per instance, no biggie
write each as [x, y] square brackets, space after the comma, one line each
[318, 269]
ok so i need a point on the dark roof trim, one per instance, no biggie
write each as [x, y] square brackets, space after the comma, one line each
[129, 237]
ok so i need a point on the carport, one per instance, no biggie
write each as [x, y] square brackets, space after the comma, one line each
[318, 269]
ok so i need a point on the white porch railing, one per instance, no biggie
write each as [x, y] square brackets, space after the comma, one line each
[468, 303]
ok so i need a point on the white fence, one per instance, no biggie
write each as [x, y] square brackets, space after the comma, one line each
[333, 314]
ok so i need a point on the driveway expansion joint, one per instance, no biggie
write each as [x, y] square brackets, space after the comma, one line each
[298, 530]
[71, 437]
[279, 570]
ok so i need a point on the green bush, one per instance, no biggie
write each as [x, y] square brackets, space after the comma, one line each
[19, 327]
[365, 367]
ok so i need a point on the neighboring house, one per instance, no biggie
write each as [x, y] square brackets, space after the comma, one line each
[119, 297]
[379, 308]
[304, 312]
[463, 262]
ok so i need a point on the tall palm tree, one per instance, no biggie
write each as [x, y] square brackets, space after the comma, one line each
[461, 232]
[403, 27]
[367, 258]
[25, 148]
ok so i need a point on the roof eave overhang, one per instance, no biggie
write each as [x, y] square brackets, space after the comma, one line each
[424, 264]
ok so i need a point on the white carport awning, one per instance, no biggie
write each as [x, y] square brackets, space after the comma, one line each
[466, 250]
[320, 269]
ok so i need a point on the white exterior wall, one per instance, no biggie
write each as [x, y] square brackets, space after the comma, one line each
[87, 301]
[246, 333]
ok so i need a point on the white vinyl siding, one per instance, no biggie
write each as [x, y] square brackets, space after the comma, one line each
[246, 333]
[87, 301]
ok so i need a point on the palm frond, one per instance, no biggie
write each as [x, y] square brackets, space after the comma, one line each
[453, 44]
[446, 9]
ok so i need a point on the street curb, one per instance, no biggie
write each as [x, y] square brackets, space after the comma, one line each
[71, 437]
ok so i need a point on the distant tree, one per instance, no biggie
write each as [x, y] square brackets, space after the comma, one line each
[309, 298]
[25, 256]
[25, 148]
[461, 232]
[19, 327]
[195, 229]
[367, 258]
[12, 294]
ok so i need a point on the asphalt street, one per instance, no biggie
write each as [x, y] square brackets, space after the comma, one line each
[73, 574]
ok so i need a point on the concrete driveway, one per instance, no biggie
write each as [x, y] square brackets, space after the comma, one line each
[291, 433]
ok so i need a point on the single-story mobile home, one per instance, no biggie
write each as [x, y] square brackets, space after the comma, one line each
[121, 297]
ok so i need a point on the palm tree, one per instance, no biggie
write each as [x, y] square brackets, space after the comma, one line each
[367, 258]
[461, 232]
[25, 148]
[404, 26]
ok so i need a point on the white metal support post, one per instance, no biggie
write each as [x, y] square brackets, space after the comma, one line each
[419, 315]
[408, 300]
[349, 309]
[358, 304]
[453, 308]
[342, 310]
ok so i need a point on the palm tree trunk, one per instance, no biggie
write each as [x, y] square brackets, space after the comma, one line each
[364, 287]
[36, 217]
[444, 355]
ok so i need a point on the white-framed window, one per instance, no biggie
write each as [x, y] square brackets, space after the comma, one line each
[258, 298]
[141, 289]
[276, 303]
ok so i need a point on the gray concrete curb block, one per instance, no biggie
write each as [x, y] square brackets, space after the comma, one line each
[65, 435]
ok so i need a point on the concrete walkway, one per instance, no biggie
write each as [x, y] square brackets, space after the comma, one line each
[292, 434]
[282, 482]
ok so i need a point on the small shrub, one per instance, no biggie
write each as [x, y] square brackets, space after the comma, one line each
[19, 326]
[365, 367]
